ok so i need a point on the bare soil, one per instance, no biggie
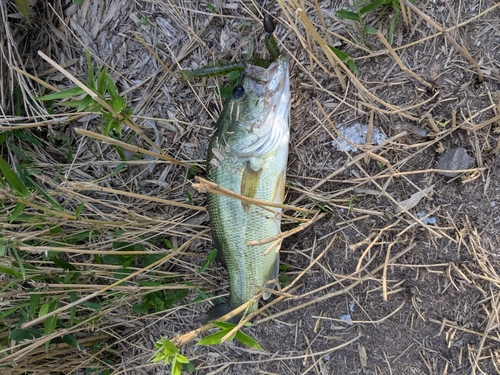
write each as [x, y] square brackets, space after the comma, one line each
[422, 298]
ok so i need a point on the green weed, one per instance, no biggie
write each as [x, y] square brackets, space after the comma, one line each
[102, 84]
[358, 11]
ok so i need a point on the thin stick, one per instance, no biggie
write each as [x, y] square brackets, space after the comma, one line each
[205, 186]
[83, 186]
[384, 272]
[130, 147]
[288, 233]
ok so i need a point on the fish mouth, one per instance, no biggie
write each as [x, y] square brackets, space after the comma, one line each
[271, 81]
[270, 93]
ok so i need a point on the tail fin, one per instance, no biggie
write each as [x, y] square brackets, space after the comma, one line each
[216, 312]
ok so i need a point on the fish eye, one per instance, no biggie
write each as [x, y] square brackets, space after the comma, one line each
[238, 91]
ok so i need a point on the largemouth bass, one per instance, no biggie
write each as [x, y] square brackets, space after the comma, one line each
[248, 155]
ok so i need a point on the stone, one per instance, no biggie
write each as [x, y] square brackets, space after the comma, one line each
[454, 159]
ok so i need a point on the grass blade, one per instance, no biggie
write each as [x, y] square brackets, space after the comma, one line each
[13, 179]
[372, 6]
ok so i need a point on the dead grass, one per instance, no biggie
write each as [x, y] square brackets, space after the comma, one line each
[422, 298]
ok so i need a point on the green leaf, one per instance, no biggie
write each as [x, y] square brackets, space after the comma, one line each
[28, 137]
[211, 8]
[50, 324]
[25, 334]
[34, 303]
[113, 91]
[191, 174]
[340, 54]
[81, 236]
[168, 243]
[190, 197]
[18, 95]
[24, 7]
[234, 75]
[49, 199]
[78, 2]
[12, 178]
[10, 271]
[354, 68]
[19, 262]
[118, 104]
[44, 309]
[91, 305]
[122, 273]
[243, 24]
[349, 15]
[285, 266]
[344, 57]
[223, 325]
[167, 346]
[392, 25]
[20, 154]
[210, 258]
[200, 297]
[188, 367]
[8, 312]
[73, 103]
[63, 94]
[4, 136]
[225, 92]
[102, 79]
[369, 30]
[215, 338]
[17, 211]
[85, 102]
[63, 264]
[176, 367]
[91, 79]
[248, 341]
[70, 340]
[79, 209]
[117, 169]
[151, 258]
[181, 358]
[372, 6]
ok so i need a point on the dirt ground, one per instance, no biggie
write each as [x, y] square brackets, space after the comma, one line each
[422, 298]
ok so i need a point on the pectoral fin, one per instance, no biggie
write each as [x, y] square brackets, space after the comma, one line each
[249, 183]
[279, 189]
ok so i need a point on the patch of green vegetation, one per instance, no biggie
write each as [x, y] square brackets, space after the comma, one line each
[360, 9]
[354, 199]
[211, 8]
[169, 354]
[344, 57]
[102, 84]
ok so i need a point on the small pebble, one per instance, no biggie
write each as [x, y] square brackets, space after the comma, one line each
[454, 159]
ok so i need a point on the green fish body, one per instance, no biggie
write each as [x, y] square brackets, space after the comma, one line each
[248, 155]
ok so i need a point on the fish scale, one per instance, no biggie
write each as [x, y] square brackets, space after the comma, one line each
[248, 155]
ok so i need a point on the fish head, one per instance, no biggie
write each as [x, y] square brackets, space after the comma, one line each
[259, 109]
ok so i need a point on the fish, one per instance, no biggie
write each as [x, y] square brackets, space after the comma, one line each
[248, 155]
